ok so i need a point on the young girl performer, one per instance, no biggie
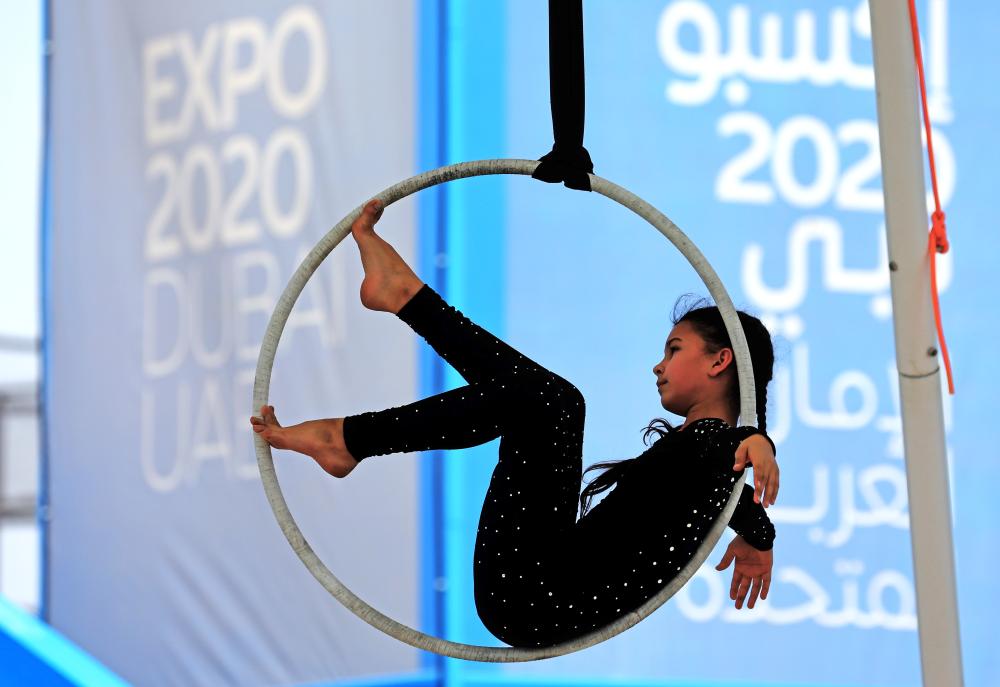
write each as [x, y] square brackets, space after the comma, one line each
[541, 575]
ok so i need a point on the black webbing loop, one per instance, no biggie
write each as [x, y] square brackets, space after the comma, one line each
[569, 161]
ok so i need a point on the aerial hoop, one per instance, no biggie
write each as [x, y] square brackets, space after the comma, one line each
[265, 463]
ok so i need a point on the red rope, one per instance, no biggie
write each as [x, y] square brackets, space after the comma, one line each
[937, 240]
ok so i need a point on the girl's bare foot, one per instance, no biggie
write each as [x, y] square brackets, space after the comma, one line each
[321, 440]
[389, 282]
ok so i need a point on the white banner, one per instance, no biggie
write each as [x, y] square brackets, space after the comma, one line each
[198, 151]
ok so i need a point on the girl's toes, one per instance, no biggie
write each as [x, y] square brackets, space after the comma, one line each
[370, 214]
[267, 412]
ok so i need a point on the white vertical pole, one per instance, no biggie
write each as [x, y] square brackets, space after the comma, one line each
[916, 347]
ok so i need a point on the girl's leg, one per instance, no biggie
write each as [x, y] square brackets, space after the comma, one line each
[524, 584]
[390, 285]
[475, 353]
[460, 418]
[500, 379]
[532, 500]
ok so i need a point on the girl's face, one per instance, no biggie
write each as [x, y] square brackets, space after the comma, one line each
[683, 376]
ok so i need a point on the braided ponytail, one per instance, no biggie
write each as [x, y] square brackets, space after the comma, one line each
[762, 358]
[762, 407]
[762, 354]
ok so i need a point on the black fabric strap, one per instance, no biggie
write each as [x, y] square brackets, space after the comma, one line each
[569, 162]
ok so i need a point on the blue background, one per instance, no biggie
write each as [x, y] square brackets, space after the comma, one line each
[588, 290]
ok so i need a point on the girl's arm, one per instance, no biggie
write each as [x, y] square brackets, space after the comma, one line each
[749, 520]
[757, 450]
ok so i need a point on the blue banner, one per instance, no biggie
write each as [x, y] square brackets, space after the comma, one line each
[752, 125]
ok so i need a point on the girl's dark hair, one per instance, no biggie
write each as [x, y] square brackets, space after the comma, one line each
[707, 321]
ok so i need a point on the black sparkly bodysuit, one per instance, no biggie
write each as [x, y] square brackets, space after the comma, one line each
[541, 576]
